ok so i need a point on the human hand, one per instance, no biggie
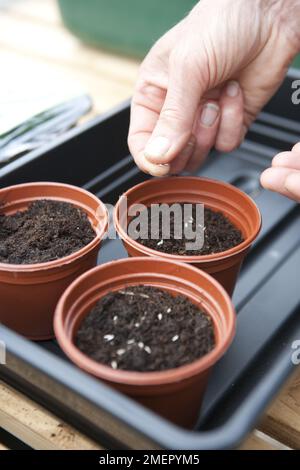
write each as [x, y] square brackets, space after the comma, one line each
[284, 175]
[205, 80]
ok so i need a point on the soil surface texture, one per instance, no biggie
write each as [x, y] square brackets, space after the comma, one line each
[143, 328]
[219, 234]
[46, 231]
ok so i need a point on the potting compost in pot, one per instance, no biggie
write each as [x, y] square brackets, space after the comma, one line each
[144, 328]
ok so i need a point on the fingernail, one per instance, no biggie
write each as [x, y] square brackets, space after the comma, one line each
[157, 147]
[292, 183]
[209, 114]
[232, 89]
[158, 170]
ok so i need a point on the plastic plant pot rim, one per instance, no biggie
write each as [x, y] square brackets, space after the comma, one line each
[155, 378]
[99, 232]
[196, 258]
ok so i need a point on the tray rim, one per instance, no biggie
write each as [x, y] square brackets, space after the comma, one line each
[136, 419]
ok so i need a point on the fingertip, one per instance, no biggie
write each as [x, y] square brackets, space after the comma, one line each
[156, 150]
[296, 147]
[280, 160]
[282, 180]
[266, 178]
[273, 178]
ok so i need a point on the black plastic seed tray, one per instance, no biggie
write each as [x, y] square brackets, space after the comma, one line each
[267, 296]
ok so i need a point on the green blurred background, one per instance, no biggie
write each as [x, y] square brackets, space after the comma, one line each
[124, 26]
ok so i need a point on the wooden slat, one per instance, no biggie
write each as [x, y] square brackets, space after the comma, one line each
[35, 426]
[260, 441]
[282, 419]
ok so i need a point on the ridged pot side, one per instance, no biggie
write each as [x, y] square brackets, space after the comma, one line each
[30, 292]
[237, 206]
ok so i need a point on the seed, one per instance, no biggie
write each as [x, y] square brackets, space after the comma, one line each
[141, 345]
[114, 364]
[108, 337]
[145, 296]
[130, 341]
[126, 293]
[147, 349]
[115, 319]
[159, 316]
[136, 325]
[160, 243]
[121, 351]
[169, 310]
[175, 338]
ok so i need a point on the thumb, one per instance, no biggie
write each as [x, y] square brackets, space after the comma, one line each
[174, 127]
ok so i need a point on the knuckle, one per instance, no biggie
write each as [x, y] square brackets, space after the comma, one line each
[182, 57]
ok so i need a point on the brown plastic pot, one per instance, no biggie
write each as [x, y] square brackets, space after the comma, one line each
[177, 393]
[29, 293]
[223, 197]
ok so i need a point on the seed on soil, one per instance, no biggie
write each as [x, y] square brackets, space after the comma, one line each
[120, 352]
[126, 292]
[108, 337]
[115, 319]
[182, 336]
[220, 234]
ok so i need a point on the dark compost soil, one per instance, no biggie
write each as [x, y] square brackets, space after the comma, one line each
[144, 328]
[219, 234]
[46, 231]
